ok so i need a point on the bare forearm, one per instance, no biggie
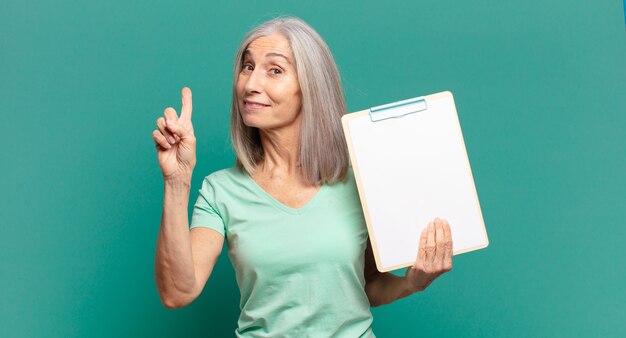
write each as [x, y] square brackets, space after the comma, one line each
[174, 269]
[385, 288]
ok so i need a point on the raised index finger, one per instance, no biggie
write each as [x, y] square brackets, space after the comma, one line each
[185, 111]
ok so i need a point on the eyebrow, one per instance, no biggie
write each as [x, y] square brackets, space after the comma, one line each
[279, 55]
[247, 53]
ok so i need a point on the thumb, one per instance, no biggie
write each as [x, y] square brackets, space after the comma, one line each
[417, 265]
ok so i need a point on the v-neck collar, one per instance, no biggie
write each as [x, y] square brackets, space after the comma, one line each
[279, 204]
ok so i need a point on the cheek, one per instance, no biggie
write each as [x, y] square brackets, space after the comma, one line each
[239, 86]
[291, 92]
[296, 104]
[297, 100]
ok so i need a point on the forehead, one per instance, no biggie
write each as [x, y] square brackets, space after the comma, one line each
[269, 44]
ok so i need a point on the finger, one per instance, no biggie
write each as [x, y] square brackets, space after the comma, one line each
[430, 247]
[163, 129]
[170, 115]
[421, 254]
[447, 260]
[159, 140]
[185, 111]
[172, 123]
[177, 130]
[440, 241]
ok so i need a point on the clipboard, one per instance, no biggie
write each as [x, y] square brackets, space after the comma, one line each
[411, 165]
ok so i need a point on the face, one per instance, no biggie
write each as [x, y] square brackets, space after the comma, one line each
[268, 92]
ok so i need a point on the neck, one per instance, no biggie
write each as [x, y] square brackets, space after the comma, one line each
[281, 151]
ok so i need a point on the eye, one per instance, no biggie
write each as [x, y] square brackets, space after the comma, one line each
[276, 71]
[247, 67]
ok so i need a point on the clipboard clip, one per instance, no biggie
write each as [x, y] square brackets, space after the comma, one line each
[398, 109]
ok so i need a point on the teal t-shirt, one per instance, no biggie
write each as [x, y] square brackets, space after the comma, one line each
[299, 271]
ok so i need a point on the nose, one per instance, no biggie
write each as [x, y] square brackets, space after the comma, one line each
[254, 82]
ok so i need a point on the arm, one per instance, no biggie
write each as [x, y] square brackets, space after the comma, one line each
[434, 258]
[382, 287]
[184, 258]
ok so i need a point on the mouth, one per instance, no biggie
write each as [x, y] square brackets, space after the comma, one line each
[252, 105]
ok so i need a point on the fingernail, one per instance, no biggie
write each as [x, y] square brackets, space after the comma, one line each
[171, 139]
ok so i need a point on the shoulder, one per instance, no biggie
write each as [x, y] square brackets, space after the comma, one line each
[224, 186]
[223, 181]
[347, 186]
[225, 176]
[348, 180]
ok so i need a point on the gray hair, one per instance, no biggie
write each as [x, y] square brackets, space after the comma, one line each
[323, 153]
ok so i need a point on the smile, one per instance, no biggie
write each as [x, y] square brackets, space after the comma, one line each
[251, 105]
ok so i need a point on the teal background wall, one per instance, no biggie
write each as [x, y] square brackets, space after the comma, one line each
[540, 87]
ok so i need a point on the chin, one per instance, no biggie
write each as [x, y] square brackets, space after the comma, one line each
[251, 121]
[256, 123]
[263, 120]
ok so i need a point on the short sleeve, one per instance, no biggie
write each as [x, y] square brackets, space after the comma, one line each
[205, 213]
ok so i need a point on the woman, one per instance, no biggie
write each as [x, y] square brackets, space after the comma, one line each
[289, 209]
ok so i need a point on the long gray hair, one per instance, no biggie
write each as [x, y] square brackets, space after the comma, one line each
[323, 152]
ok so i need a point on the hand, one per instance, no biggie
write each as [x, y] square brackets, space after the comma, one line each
[434, 256]
[175, 140]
